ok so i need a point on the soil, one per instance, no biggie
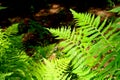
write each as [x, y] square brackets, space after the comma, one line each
[55, 15]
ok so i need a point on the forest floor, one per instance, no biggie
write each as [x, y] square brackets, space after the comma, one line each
[55, 16]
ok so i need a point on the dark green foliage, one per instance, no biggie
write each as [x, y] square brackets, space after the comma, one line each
[34, 34]
[1, 7]
[11, 58]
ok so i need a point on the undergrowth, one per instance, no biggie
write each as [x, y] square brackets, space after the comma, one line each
[88, 52]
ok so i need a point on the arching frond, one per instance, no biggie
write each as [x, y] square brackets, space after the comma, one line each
[92, 47]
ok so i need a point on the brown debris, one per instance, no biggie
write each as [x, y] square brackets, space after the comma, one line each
[54, 16]
[103, 13]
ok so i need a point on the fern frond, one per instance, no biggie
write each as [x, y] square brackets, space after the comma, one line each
[3, 75]
[63, 32]
[89, 52]
[92, 47]
[14, 63]
[54, 70]
[99, 42]
[115, 10]
[12, 30]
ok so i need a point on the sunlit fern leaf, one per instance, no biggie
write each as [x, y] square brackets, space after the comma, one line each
[89, 47]
[53, 70]
[115, 10]
[92, 47]
[14, 63]
[3, 75]
[101, 40]
[116, 22]
[63, 32]
[89, 52]
[12, 30]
